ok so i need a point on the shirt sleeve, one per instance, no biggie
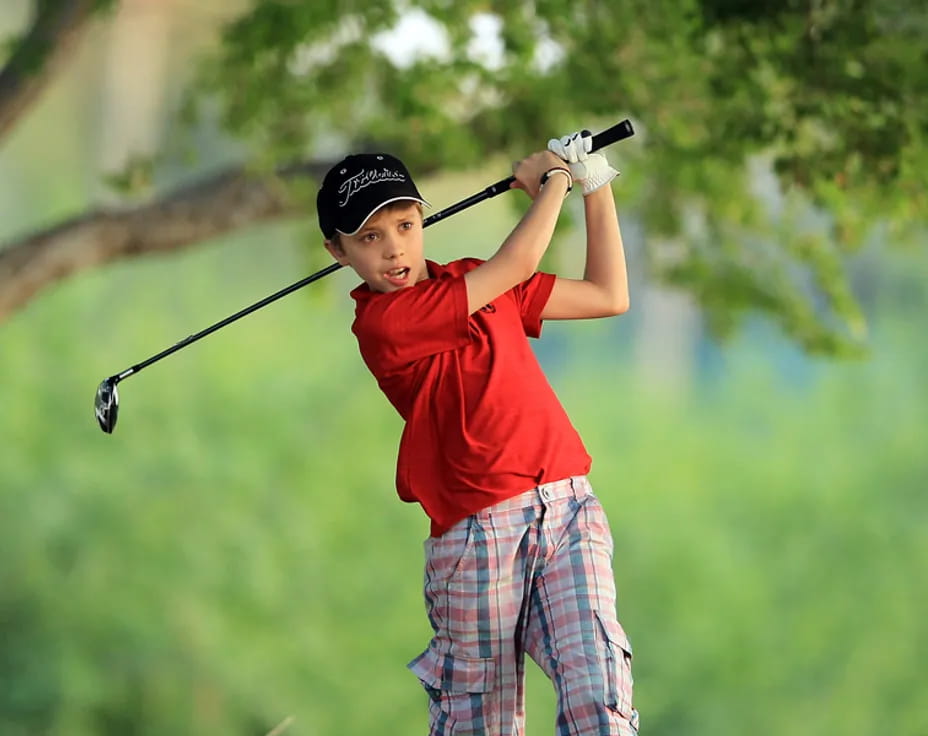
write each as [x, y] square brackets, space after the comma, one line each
[396, 329]
[532, 296]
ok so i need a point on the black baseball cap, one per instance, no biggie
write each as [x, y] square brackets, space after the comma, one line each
[359, 185]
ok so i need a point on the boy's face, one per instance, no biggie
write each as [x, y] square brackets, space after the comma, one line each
[387, 251]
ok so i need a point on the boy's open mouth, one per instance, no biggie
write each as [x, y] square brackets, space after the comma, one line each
[397, 275]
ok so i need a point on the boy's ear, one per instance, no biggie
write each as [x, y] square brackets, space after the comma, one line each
[336, 251]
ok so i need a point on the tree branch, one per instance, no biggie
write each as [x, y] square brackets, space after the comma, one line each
[39, 55]
[212, 207]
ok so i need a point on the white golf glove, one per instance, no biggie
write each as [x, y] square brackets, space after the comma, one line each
[592, 170]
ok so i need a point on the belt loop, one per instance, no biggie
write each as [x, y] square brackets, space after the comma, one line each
[579, 486]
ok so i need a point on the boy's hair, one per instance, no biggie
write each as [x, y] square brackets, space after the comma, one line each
[359, 185]
[336, 238]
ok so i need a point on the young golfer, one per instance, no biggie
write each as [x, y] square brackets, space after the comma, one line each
[520, 552]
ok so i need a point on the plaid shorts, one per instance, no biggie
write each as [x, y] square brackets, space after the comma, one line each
[533, 575]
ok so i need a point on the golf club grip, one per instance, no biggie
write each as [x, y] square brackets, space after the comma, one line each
[618, 132]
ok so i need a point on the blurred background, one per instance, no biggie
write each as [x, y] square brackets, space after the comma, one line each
[234, 560]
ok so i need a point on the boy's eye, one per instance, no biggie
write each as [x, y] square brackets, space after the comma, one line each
[405, 225]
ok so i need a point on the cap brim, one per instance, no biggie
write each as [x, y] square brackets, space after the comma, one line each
[381, 206]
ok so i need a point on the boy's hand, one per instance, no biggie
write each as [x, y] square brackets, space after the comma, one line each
[592, 170]
[530, 171]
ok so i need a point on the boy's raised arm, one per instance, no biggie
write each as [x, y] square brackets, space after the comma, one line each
[603, 290]
[519, 255]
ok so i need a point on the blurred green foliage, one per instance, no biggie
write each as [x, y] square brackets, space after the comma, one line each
[235, 554]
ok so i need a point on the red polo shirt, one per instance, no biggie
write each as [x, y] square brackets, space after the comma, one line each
[482, 422]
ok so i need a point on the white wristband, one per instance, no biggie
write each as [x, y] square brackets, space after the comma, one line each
[558, 170]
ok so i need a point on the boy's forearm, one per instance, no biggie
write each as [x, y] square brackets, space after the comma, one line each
[519, 255]
[605, 255]
[530, 239]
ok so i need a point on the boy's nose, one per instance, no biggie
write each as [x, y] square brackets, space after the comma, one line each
[393, 248]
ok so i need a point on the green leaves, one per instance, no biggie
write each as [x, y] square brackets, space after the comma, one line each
[828, 93]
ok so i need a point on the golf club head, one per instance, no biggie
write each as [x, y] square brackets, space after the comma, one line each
[106, 405]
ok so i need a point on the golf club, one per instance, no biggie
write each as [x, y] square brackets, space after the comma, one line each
[106, 401]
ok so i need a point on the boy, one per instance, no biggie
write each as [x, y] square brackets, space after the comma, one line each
[519, 556]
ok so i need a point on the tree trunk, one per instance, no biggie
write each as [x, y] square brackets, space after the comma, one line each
[668, 334]
[191, 215]
[45, 47]
[133, 79]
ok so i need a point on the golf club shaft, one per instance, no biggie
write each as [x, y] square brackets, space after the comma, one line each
[228, 320]
[617, 132]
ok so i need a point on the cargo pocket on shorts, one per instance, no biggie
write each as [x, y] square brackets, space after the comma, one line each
[450, 680]
[618, 676]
